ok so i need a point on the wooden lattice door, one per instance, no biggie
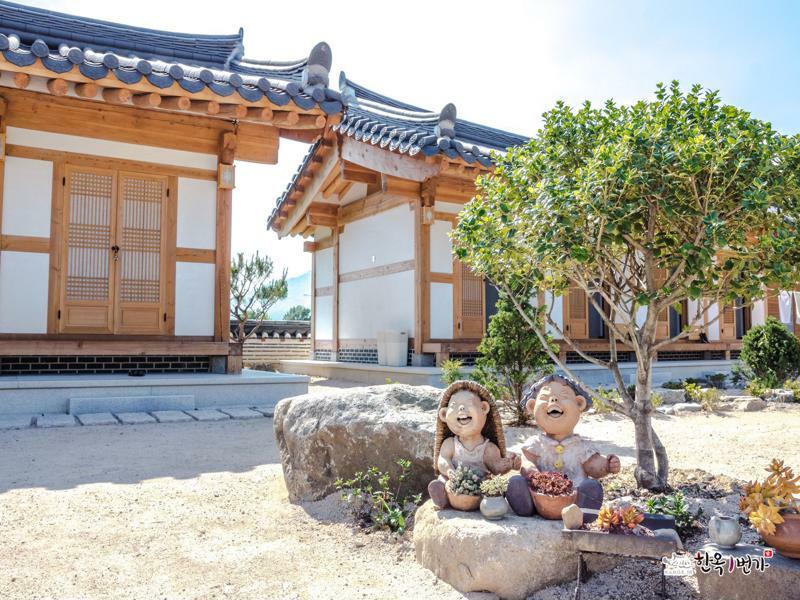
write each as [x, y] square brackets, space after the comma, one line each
[469, 301]
[140, 297]
[114, 249]
[88, 295]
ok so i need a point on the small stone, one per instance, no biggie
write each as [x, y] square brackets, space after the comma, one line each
[97, 419]
[572, 517]
[241, 413]
[751, 404]
[671, 396]
[207, 414]
[669, 534]
[55, 420]
[267, 411]
[171, 416]
[687, 407]
[666, 410]
[16, 421]
[135, 418]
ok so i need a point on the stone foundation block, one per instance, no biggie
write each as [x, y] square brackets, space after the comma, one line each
[97, 419]
[241, 413]
[207, 414]
[171, 416]
[135, 418]
[55, 420]
[16, 421]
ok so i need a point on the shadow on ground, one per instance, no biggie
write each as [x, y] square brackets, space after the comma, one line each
[65, 458]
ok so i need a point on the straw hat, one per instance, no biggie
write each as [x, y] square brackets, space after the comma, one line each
[492, 430]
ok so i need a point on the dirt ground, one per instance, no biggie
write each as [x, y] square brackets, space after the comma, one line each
[199, 510]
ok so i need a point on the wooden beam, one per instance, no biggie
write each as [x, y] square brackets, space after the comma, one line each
[285, 119]
[209, 107]
[357, 174]
[117, 95]
[380, 271]
[319, 220]
[236, 111]
[195, 255]
[309, 247]
[379, 160]
[176, 103]
[330, 162]
[323, 208]
[25, 243]
[58, 87]
[226, 155]
[22, 80]
[371, 205]
[86, 90]
[151, 100]
[260, 113]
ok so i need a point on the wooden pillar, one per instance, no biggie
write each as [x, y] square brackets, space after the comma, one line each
[313, 302]
[335, 302]
[2, 159]
[422, 240]
[227, 153]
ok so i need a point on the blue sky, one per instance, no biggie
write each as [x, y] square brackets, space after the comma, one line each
[502, 63]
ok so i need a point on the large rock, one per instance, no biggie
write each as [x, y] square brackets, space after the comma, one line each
[671, 396]
[750, 404]
[780, 580]
[325, 436]
[687, 407]
[512, 558]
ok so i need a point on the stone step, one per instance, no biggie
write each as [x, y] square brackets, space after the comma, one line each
[130, 404]
[207, 414]
[241, 413]
[55, 420]
[135, 418]
[16, 421]
[171, 416]
[105, 418]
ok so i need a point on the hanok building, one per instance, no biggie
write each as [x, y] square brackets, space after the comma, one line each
[117, 182]
[378, 195]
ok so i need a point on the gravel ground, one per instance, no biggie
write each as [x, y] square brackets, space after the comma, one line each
[199, 510]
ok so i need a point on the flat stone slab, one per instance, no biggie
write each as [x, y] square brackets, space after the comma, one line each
[687, 407]
[267, 411]
[126, 404]
[97, 419]
[135, 418]
[512, 557]
[671, 396]
[16, 421]
[55, 420]
[780, 580]
[241, 413]
[207, 414]
[171, 416]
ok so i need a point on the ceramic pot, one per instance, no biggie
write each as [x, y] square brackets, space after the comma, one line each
[494, 507]
[461, 501]
[724, 531]
[550, 507]
[786, 539]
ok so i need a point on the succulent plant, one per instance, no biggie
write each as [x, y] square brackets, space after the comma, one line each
[494, 486]
[764, 501]
[624, 519]
[550, 483]
[465, 481]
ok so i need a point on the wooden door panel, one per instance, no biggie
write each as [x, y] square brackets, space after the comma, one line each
[727, 322]
[141, 298]
[468, 294]
[577, 314]
[87, 296]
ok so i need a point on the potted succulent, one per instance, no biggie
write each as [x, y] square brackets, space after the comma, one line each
[624, 520]
[493, 505]
[551, 491]
[772, 507]
[464, 489]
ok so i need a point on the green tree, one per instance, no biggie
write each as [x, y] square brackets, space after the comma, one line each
[253, 293]
[511, 356]
[771, 352]
[298, 313]
[641, 207]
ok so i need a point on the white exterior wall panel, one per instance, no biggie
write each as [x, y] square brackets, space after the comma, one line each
[367, 306]
[441, 311]
[324, 268]
[381, 239]
[27, 196]
[23, 292]
[194, 298]
[441, 248]
[323, 318]
[197, 213]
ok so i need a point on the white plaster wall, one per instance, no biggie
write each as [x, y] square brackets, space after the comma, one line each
[381, 239]
[441, 316]
[369, 305]
[324, 268]
[557, 313]
[323, 318]
[23, 292]
[448, 207]
[27, 195]
[356, 192]
[758, 313]
[194, 298]
[441, 247]
[691, 307]
[713, 328]
[197, 213]
[124, 150]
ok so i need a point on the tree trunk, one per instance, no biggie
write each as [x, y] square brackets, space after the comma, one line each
[650, 472]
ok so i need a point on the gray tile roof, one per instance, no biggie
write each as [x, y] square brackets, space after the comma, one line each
[99, 49]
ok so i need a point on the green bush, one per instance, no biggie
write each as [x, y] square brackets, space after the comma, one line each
[794, 386]
[771, 352]
[511, 357]
[451, 371]
[738, 375]
[757, 387]
[377, 502]
[676, 506]
[708, 398]
[718, 380]
[673, 385]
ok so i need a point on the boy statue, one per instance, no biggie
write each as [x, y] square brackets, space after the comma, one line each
[557, 403]
[468, 432]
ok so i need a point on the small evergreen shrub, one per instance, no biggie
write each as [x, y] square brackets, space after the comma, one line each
[451, 371]
[718, 380]
[771, 352]
[757, 387]
[708, 398]
[673, 385]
